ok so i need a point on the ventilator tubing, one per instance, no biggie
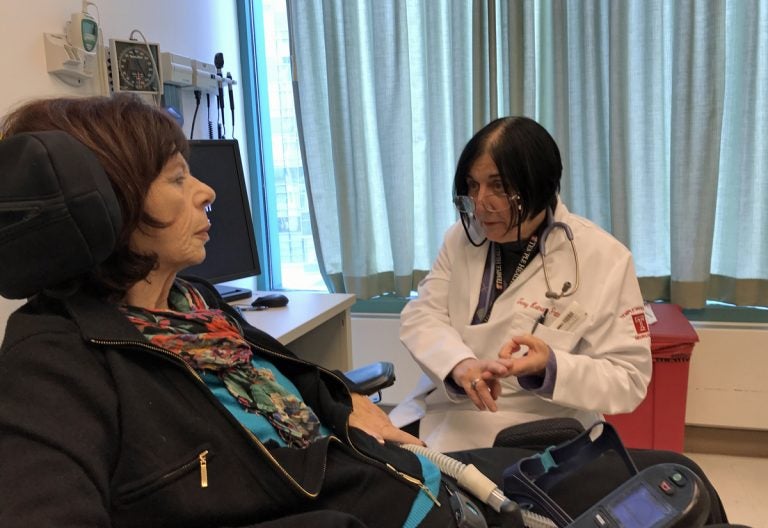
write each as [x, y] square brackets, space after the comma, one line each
[471, 479]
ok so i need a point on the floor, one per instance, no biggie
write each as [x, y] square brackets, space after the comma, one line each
[742, 483]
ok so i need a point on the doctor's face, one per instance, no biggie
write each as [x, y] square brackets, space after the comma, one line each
[178, 200]
[496, 208]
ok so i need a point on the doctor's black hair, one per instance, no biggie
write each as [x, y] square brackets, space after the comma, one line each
[526, 156]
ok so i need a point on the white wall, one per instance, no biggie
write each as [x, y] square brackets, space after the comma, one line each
[375, 338]
[193, 28]
[726, 381]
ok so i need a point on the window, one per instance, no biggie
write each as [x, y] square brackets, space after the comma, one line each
[291, 249]
[576, 69]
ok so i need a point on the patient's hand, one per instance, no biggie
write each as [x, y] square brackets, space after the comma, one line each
[368, 417]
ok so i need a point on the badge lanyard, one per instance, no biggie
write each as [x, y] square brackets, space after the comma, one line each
[493, 279]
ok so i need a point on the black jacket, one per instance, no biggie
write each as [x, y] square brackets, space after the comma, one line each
[100, 428]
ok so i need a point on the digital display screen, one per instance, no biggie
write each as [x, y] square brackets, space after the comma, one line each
[639, 508]
[231, 252]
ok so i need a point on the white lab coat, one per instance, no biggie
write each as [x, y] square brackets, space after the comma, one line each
[603, 365]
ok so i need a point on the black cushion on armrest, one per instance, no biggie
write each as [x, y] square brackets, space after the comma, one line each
[372, 378]
[540, 434]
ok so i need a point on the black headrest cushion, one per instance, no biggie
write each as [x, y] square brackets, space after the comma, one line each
[59, 216]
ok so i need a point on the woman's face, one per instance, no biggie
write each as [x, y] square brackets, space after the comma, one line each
[179, 201]
[495, 209]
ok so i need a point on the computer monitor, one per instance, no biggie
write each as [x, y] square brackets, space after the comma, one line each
[231, 253]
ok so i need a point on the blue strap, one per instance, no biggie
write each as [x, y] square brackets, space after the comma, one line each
[547, 460]
[422, 505]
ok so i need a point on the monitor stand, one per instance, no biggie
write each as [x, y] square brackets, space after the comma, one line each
[230, 293]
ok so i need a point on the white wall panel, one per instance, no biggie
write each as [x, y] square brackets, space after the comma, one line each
[727, 379]
[193, 28]
[375, 338]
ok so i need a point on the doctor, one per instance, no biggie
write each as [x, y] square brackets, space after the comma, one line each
[529, 311]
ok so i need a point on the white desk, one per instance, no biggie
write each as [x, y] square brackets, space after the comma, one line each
[314, 326]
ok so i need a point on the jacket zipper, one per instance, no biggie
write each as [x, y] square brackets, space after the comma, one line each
[189, 369]
[403, 476]
[414, 480]
[203, 456]
[202, 461]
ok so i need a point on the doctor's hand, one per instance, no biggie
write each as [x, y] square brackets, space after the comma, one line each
[533, 362]
[480, 380]
[368, 417]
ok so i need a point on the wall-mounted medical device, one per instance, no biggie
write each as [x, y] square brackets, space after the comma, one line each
[72, 56]
[204, 76]
[176, 69]
[70, 64]
[82, 30]
[79, 54]
[134, 67]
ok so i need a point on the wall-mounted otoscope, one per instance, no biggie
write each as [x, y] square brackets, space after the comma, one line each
[218, 61]
[230, 82]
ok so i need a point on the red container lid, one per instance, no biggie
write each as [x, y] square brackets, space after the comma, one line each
[671, 331]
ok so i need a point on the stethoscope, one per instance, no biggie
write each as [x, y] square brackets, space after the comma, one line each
[568, 288]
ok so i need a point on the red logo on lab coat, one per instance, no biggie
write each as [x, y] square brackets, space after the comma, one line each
[641, 326]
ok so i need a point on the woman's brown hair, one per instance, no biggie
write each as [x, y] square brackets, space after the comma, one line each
[133, 141]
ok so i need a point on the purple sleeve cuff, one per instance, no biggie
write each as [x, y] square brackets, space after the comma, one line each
[450, 384]
[542, 385]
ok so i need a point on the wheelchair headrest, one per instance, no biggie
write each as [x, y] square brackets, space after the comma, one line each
[59, 216]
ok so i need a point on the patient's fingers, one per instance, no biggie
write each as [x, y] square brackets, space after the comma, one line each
[399, 436]
[370, 418]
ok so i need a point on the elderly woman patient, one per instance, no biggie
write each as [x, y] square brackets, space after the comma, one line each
[133, 398]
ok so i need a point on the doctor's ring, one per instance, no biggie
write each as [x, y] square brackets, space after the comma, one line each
[474, 383]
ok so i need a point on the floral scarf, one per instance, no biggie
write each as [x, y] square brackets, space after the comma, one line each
[207, 340]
